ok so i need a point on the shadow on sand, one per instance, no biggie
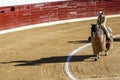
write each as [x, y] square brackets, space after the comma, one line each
[79, 41]
[56, 59]
[116, 39]
[86, 41]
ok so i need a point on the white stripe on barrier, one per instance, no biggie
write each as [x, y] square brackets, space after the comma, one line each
[53, 23]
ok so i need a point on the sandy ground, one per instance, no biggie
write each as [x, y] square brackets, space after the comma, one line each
[40, 53]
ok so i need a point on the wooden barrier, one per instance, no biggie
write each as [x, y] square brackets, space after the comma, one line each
[22, 15]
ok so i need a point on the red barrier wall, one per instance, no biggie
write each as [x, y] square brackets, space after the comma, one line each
[22, 15]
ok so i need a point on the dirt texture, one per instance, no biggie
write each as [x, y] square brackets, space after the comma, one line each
[41, 53]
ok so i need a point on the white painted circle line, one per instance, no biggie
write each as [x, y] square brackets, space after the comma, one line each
[67, 70]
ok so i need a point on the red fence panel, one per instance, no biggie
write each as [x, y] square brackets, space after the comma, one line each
[21, 15]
